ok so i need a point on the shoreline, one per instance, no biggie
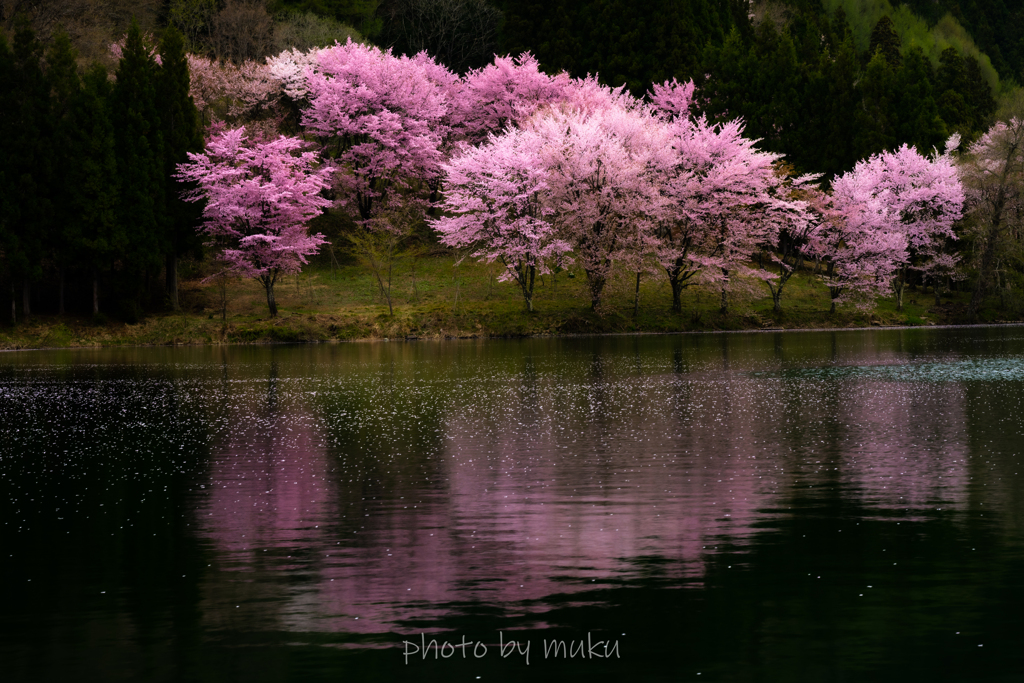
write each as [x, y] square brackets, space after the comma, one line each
[481, 337]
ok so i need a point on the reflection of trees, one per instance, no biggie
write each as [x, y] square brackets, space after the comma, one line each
[428, 479]
[906, 444]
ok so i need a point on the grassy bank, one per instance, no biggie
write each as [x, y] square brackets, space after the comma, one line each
[434, 298]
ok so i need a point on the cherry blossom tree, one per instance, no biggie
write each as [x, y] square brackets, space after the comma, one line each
[807, 209]
[918, 197]
[862, 251]
[380, 118]
[673, 99]
[291, 68]
[259, 197]
[223, 91]
[604, 152]
[494, 198]
[724, 198]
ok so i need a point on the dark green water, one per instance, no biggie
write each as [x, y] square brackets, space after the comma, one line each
[758, 507]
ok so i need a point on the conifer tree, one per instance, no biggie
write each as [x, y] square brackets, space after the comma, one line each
[29, 160]
[62, 72]
[96, 232]
[877, 129]
[838, 144]
[885, 40]
[139, 146]
[8, 196]
[917, 115]
[181, 134]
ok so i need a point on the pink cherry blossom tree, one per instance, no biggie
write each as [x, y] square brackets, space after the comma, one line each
[291, 68]
[604, 153]
[862, 251]
[494, 198]
[917, 197]
[260, 195]
[381, 119]
[724, 198]
[805, 209]
[230, 93]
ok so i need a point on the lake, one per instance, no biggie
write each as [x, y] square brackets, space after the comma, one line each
[819, 506]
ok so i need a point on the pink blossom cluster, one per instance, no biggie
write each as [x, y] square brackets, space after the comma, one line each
[259, 197]
[532, 170]
[894, 211]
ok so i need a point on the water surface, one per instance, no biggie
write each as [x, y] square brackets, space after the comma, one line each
[785, 506]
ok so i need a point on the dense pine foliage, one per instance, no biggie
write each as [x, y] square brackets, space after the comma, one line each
[87, 185]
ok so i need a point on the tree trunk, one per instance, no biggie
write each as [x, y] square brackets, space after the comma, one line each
[678, 282]
[596, 283]
[95, 292]
[172, 282]
[271, 302]
[725, 293]
[987, 260]
[223, 288]
[26, 299]
[14, 310]
[636, 296]
[898, 286]
[60, 290]
[527, 277]
[776, 299]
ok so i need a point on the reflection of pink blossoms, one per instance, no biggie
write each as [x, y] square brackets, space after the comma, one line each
[259, 198]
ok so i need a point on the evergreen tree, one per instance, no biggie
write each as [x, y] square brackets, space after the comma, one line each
[878, 92]
[840, 73]
[95, 232]
[966, 102]
[885, 40]
[62, 72]
[915, 111]
[730, 69]
[139, 146]
[29, 160]
[625, 43]
[9, 243]
[181, 134]
[978, 94]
